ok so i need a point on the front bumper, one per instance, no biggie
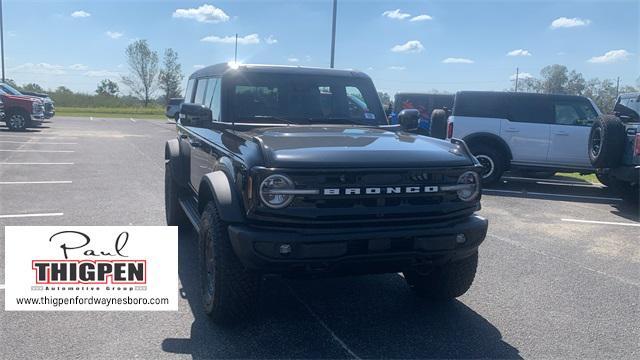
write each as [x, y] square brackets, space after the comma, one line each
[38, 117]
[360, 250]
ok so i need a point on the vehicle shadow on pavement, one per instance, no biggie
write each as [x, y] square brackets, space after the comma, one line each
[6, 130]
[374, 316]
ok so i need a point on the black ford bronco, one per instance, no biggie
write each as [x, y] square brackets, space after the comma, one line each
[296, 171]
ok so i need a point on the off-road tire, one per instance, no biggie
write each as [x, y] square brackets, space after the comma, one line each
[229, 291]
[629, 193]
[606, 142]
[439, 124]
[444, 282]
[490, 157]
[20, 124]
[176, 117]
[173, 211]
[604, 179]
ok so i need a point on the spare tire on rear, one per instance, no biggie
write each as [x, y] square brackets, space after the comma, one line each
[606, 142]
[439, 124]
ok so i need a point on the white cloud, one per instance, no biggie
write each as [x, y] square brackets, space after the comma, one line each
[610, 57]
[519, 52]
[423, 17]
[411, 46]
[293, 60]
[396, 14]
[242, 40]
[101, 73]
[198, 66]
[457, 61]
[40, 68]
[271, 40]
[522, 75]
[114, 34]
[564, 22]
[78, 67]
[80, 14]
[205, 13]
[397, 68]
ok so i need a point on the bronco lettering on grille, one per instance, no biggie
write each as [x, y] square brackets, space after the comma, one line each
[380, 190]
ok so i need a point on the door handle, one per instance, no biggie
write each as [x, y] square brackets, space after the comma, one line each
[512, 130]
[561, 133]
[183, 136]
[194, 143]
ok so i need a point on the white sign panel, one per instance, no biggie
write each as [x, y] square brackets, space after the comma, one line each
[91, 268]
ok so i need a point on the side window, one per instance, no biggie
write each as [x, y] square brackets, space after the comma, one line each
[201, 87]
[215, 103]
[188, 94]
[530, 109]
[579, 113]
[485, 105]
[208, 94]
[357, 107]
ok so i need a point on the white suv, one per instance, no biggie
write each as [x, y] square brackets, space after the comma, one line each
[524, 131]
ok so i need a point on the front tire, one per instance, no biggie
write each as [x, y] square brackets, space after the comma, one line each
[229, 291]
[445, 282]
[493, 163]
[17, 121]
[173, 211]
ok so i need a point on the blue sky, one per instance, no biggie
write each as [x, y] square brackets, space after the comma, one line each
[402, 45]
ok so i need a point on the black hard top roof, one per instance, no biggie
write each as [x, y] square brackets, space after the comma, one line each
[517, 94]
[422, 94]
[223, 68]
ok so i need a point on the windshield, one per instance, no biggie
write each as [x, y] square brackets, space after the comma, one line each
[305, 99]
[9, 89]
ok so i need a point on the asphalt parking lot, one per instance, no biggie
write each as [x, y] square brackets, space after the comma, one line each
[558, 274]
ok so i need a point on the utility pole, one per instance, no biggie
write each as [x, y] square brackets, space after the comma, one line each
[517, 75]
[2, 40]
[618, 87]
[235, 55]
[333, 33]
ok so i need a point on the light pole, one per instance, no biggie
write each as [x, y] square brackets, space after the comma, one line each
[2, 40]
[333, 33]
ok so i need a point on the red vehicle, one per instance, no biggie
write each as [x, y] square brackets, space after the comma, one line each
[21, 111]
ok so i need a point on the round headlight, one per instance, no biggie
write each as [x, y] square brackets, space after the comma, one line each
[271, 190]
[469, 193]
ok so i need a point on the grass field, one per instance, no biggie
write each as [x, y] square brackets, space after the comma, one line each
[155, 112]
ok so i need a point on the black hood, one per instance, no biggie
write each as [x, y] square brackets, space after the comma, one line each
[354, 147]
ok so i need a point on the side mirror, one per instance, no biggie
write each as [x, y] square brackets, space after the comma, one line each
[195, 115]
[408, 119]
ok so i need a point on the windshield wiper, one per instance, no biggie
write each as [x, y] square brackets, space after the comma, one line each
[285, 120]
[348, 120]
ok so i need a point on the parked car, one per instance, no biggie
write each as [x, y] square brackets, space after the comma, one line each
[49, 107]
[524, 131]
[173, 108]
[614, 147]
[279, 174]
[1, 109]
[21, 111]
[425, 103]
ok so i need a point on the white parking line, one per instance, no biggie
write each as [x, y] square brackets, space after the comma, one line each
[40, 151]
[29, 215]
[132, 119]
[34, 182]
[1, 286]
[36, 143]
[600, 222]
[27, 163]
[489, 191]
[91, 118]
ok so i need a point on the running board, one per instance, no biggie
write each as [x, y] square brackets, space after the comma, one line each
[190, 208]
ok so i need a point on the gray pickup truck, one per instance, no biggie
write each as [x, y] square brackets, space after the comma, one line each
[614, 147]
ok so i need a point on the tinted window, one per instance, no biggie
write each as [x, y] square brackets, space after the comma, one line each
[530, 109]
[201, 87]
[188, 94]
[490, 105]
[305, 99]
[424, 103]
[577, 112]
[215, 104]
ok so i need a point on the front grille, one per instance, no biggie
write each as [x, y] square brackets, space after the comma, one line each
[48, 107]
[374, 209]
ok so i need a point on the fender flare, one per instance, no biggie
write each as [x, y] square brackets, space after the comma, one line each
[216, 186]
[176, 165]
[472, 137]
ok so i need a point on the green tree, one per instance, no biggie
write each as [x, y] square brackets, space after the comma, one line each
[143, 68]
[576, 84]
[170, 76]
[384, 98]
[108, 88]
[11, 83]
[554, 79]
[33, 87]
[63, 90]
